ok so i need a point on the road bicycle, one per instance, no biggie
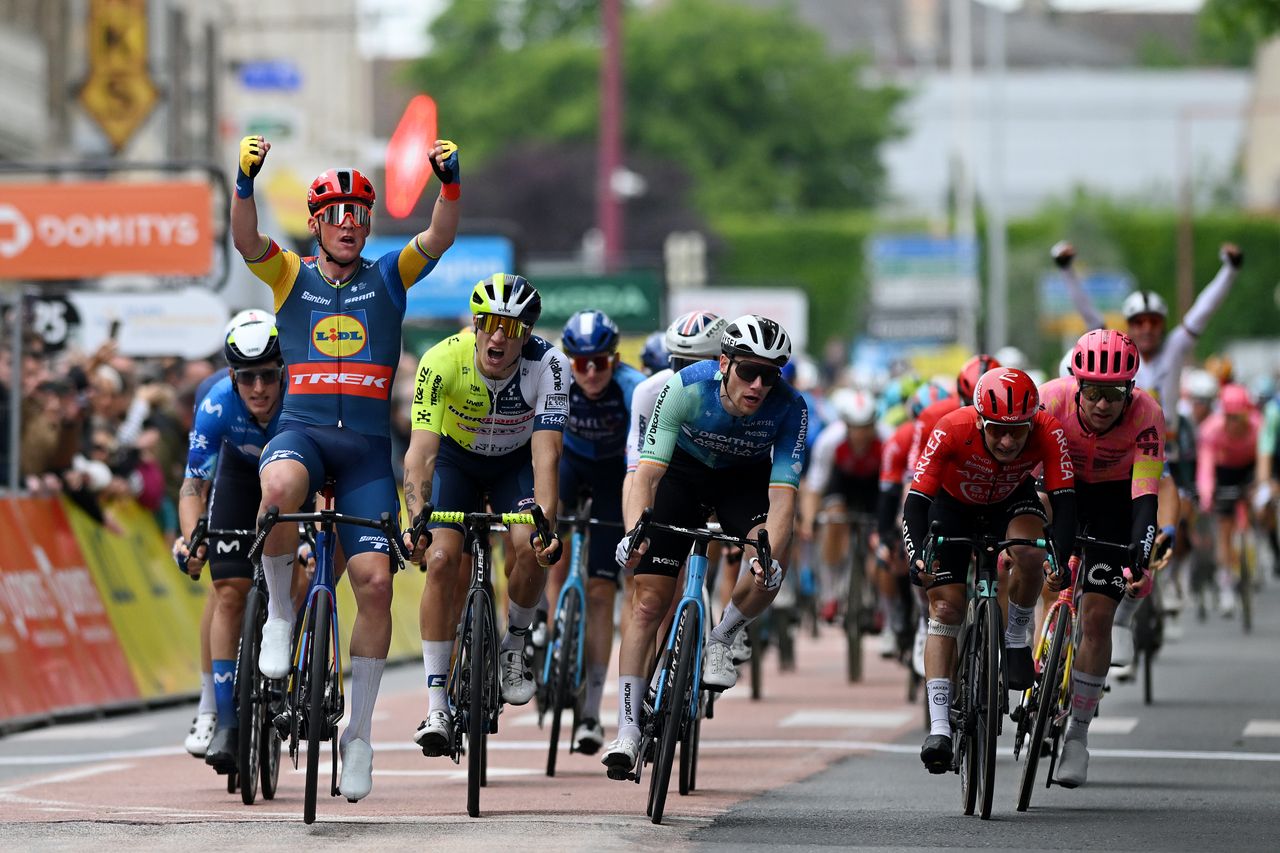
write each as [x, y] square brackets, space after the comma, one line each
[979, 693]
[474, 690]
[314, 701]
[674, 714]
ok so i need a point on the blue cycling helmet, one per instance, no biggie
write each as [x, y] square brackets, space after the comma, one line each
[589, 333]
[925, 396]
[654, 356]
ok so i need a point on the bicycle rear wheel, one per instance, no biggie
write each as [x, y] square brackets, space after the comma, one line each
[478, 655]
[989, 701]
[964, 712]
[1045, 702]
[756, 639]
[1246, 586]
[853, 617]
[563, 649]
[689, 752]
[672, 716]
[317, 678]
[249, 695]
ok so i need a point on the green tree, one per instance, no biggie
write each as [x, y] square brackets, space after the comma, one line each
[750, 103]
[1230, 30]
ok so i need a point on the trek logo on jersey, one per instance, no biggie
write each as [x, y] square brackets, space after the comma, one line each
[340, 335]
[357, 380]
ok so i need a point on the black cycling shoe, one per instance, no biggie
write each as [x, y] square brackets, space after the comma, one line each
[936, 753]
[1022, 670]
[223, 750]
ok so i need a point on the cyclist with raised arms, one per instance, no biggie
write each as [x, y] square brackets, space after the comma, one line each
[1147, 315]
[233, 423]
[726, 437]
[600, 398]
[974, 476]
[340, 318]
[1116, 437]
[489, 412]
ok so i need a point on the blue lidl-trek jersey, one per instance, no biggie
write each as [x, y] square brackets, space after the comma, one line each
[597, 429]
[341, 341]
[220, 416]
[689, 414]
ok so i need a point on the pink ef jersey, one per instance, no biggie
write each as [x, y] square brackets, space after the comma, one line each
[1215, 447]
[1132, 448]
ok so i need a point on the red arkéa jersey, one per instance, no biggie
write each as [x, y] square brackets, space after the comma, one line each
[955, 459]
[924, 425]
[893, 459]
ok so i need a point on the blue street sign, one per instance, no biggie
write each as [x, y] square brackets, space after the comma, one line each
[277, 74]
[444, 294]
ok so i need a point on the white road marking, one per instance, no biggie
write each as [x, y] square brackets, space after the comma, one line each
[847, 719]
[1262, 728]
[1113, 726]
[97, 730]
[68, 776]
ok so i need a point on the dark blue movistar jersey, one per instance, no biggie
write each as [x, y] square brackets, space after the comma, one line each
[597, 429]
[223, 415]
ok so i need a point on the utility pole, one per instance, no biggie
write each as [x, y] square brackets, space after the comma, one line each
[997, 238]
[609, 154]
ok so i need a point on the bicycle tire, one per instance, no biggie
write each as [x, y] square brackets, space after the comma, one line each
[1246, 588]
[477, 707]
[853, 618]
[964, 734]
[989, 704]
[318, 677]
[269, 756]
[563, 648]
[689, 756]
[755, 638]
[249, 711]
[1046, 693]
[672, 716]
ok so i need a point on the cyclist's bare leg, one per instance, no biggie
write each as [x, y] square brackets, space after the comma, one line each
[730, 569]
[224, 629]
[946, 612]
[556, 575]
[442, 596]
[650, 602]
[601, 593]
[833, 552]
[370, 577]
[1092, 659]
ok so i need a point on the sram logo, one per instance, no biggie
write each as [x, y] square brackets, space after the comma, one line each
[360, 380]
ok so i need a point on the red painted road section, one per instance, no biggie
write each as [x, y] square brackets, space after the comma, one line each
[749, 748]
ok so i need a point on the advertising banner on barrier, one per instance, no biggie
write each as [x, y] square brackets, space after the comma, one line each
[156, 621]
[100, 664]
[24, 693]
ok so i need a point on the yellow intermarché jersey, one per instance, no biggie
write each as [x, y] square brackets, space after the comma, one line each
[486, 416]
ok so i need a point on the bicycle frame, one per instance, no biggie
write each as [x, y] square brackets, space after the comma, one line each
[576, 579]
[695, 579]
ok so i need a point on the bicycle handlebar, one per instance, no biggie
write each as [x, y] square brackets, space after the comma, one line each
[1123, 547]
[200, 535]
[993, 543]
[389, 527]
[534, 518]
[760, 543]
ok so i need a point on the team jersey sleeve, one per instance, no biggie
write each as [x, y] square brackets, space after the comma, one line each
[1055, 455]
[934, 456]
[676, 401]
[789, 447]
[205, 439]
[824, 451]
[430, 389]
[642, 401]
[277, 268]
[1149, 446]
[1267, 432]
[1207, 460]
[408, 266]
[552, 407]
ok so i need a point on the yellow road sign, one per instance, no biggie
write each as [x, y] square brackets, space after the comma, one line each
[119, 93]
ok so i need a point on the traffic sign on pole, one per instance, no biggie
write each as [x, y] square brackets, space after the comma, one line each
[118, 93]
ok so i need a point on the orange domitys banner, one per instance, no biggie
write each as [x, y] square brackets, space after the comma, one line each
[47, 641]
[91, 229]
[102, 671]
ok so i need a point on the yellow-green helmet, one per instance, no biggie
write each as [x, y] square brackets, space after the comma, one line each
[507, 296]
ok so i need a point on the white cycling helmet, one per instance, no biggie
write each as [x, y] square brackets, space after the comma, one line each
[1144, 302]
[1011, 356]
[752, 334]
[1200, 385]
[249, 315]
[695, 335]
[856, 408]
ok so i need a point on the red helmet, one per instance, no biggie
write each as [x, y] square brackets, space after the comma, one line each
[337, 185]
[1104, 355]
[1235, 400]
[1006, 395]
[973, 368]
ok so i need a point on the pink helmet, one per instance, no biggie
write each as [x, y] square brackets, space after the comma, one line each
[1105, 356]
[1235, 400]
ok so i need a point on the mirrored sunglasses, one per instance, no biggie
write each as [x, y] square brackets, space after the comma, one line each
[1110, 393]
[268, 375]
[995, 429]
[336, 214]
[510, 326]
[750, 371]
[582, 363]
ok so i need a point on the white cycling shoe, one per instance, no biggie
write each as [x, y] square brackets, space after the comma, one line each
[718, 672]
[197, 742]
[1121, 645]
[620, 757]
[517, 680]
[357, 770]
[273, 659]
[1073, 766]
[917, 650]
[435, 735]
[588, 736]
[741, 648]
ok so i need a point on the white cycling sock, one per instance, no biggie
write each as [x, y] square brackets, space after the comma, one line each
[630, 697]
[596, 673]
[436, 657]
[1016, 634]
[278, 573]
[366, 677]
[1085, 691]
[1124, 611]
[939, 690]
[731, 623]
[518, 621]
[208, 704]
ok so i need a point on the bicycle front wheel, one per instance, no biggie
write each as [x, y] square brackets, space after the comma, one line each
[988, 705]
[479, 655]
[1246, 587]
[249, 695]
[564, 657]
[964, 726]
[853, 619]
[1046, 695]
[671, 717]
[317, 722]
